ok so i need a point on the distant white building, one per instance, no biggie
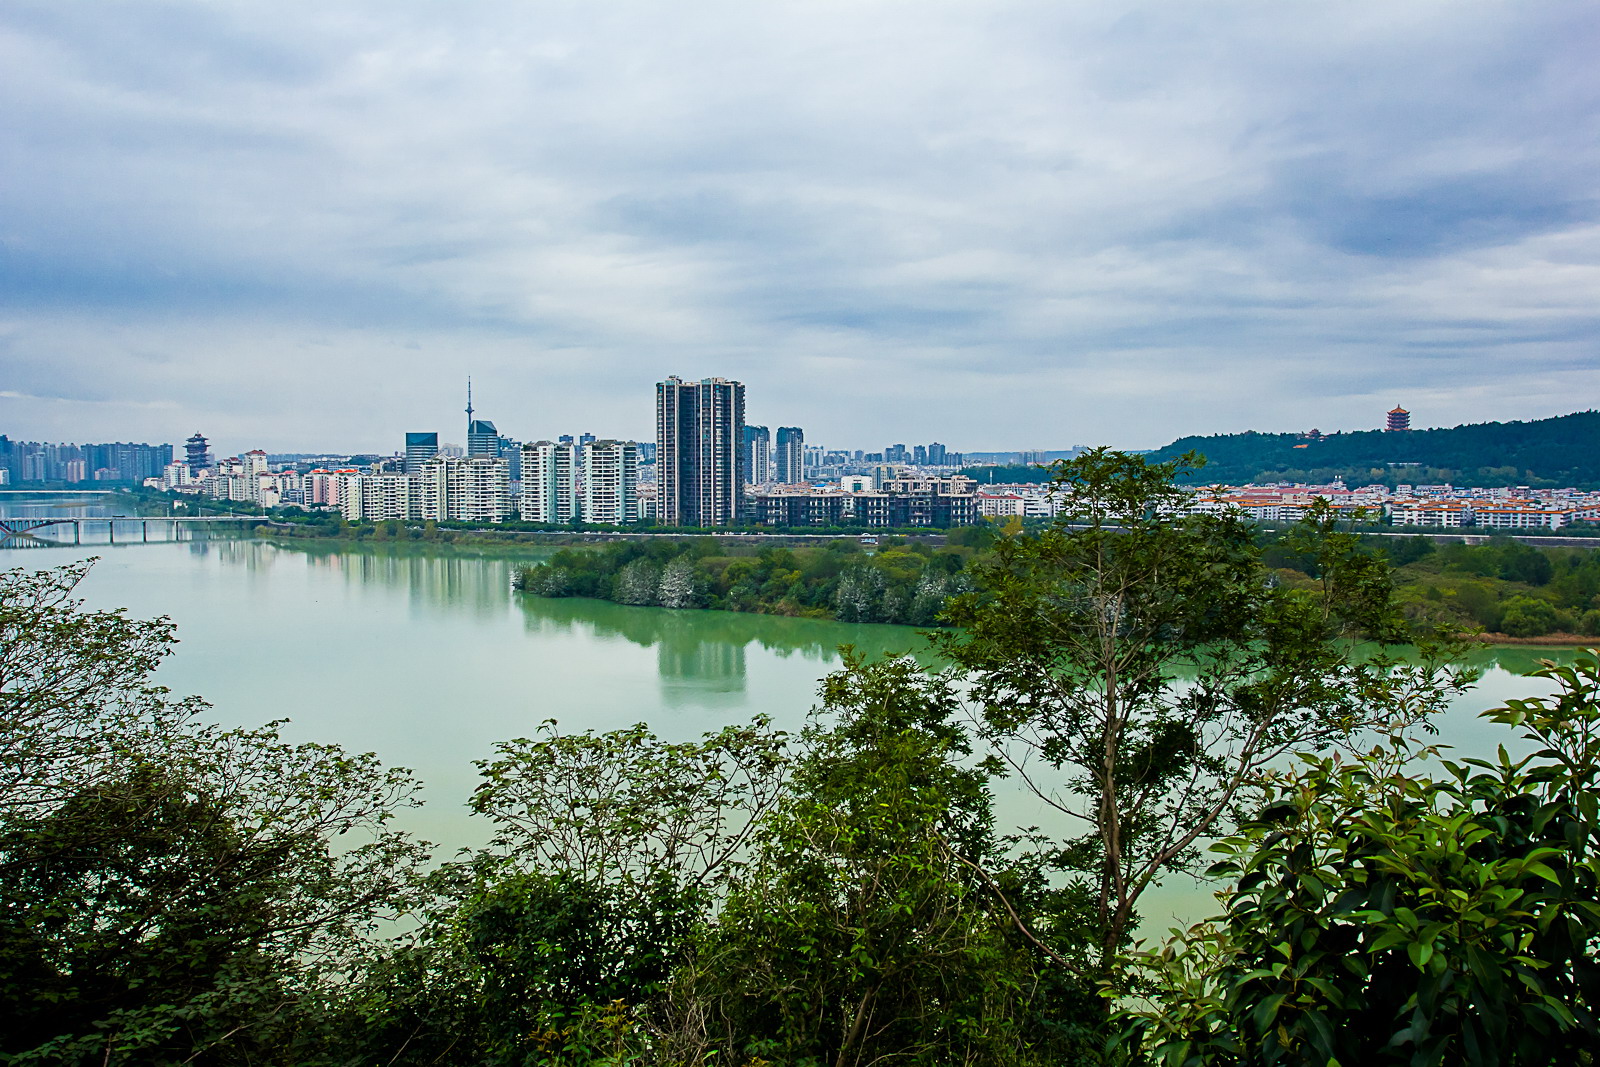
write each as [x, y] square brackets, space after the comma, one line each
[1000, 505]
[378, 497]
[176, 476]
[1447, 513]
[1524, 517]
[858, 483]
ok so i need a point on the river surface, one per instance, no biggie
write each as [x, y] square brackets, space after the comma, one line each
[428, 658]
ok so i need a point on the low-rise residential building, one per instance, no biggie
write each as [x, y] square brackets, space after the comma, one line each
[936, 502]
[1443, 513]
[1001, 505]
[1521, 517]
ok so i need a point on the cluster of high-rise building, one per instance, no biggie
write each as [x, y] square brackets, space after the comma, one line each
[712, 469]
[118, 461]
[706, 468]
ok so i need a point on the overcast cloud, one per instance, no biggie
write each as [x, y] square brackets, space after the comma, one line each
[998, 225]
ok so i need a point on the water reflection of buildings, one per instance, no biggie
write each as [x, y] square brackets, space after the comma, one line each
[477, 586]
[695, 662]
[463, 583]
[701, 655]
[692, 666]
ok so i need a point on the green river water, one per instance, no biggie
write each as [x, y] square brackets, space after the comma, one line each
[428, 658]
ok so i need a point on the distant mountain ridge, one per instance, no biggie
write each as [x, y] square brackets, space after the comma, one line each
[1545, 453]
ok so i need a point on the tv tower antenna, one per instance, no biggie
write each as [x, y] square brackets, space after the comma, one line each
[469, 401]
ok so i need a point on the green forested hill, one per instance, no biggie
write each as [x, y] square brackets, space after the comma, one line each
[1563, 451]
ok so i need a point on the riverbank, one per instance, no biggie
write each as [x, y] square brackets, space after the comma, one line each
[1557, 640]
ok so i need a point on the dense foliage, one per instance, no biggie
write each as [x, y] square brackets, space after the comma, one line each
[1501, 586]
[1379, 916]
[1563, 451]
[169, 889]
[898, 584]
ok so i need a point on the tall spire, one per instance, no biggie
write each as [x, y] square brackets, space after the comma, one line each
[469, 403]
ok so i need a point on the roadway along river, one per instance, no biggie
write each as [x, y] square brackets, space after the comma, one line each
[428, 659]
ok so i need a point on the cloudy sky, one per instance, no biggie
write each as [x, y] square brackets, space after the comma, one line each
[301, 225]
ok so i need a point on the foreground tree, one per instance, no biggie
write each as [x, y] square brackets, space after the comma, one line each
[555, 944]
[1379, 916]
[77, 704]
[1139, 668]
[170, 892]
[864, 931]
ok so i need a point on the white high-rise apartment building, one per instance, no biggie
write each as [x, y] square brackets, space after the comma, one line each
[452, 489]
[381, 496]
[228, 481]
[323, 488]
[346, 490]
[550, 481]
[610, 482]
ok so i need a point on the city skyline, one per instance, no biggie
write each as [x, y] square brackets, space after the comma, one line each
[483, 439]
[1038, 224]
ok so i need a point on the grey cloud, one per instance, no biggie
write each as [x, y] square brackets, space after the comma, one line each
[1040, 223]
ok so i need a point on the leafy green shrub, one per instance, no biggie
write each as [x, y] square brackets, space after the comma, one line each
[1382, 917]
[1524, 616]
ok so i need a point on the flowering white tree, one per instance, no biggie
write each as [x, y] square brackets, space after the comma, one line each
[677, 584]
[637, 583]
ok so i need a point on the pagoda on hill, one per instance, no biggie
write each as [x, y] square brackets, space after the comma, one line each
[1399, 420]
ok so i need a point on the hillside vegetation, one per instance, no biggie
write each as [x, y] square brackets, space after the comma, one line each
[1501, 587]
[1548, 453]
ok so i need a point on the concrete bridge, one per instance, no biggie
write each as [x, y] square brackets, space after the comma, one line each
[10, 528]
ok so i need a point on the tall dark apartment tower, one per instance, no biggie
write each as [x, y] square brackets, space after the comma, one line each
[420, 447]
[757, 455]
[790, 455]
[699, 451]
